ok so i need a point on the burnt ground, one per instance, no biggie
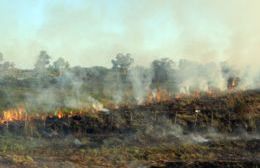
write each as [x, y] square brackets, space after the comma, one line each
[66, 153]
[216, 131]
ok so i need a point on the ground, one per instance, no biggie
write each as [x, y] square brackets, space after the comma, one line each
[71, 152]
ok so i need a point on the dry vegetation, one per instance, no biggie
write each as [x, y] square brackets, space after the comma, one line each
[225, 132]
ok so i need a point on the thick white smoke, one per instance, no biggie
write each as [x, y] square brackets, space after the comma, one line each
[194, 76]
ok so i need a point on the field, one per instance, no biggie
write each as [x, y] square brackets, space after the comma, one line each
[206, 131]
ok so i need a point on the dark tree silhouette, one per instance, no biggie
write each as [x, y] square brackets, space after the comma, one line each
[161, 69]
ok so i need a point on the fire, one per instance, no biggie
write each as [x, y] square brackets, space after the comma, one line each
[20, 113]
[60, 115]
[149, 98]
[180, 95]
[233, 82]
[157, 95]
[210, 92]
[162, 95]
[14, 114]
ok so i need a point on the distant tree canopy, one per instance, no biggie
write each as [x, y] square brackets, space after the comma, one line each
[60, 66]
[122, 61]
[119, 82]
[161, 69]
[42, 62]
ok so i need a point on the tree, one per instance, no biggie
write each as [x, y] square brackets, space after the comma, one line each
[122, 61]
[60, 65]
[161, 69]
[42, 62]
[122, 64]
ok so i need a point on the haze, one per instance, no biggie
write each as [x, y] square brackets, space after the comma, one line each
[89, 33]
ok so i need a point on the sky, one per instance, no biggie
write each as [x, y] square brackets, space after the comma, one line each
[89, 33]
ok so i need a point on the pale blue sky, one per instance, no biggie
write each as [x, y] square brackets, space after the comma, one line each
[88, 32]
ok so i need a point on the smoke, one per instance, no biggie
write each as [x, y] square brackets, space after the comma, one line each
[84, 31]
[231, 38]
[141, 79]
[195, 76]
[114, 87]
[89, 33]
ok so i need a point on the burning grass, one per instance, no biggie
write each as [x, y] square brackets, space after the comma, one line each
[217, 130]
[225, 113]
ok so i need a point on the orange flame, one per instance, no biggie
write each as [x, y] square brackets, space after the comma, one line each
[149, 98]
[60, 115]
[14, 114]
[162, 95]
[157, 96]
